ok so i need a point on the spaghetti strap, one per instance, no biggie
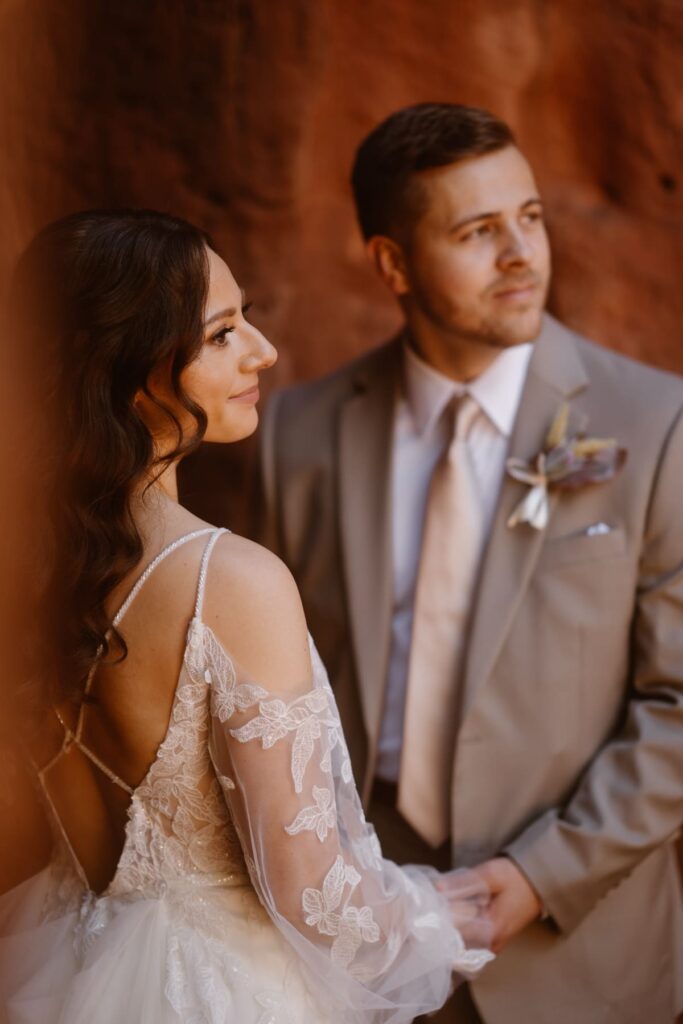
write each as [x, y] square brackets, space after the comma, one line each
[201, 583]
[168, 550]
[133, 593]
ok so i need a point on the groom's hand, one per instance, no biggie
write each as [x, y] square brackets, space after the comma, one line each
[514, 903]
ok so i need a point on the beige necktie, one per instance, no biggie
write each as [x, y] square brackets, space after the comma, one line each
[451, 546]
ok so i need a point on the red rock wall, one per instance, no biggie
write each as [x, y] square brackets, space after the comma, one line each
[244, 116]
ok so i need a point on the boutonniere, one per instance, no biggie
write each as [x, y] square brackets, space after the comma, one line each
[566, 463]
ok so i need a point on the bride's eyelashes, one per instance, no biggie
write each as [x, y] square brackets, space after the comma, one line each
[220, 337]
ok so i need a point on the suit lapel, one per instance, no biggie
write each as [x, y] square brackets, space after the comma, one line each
[365, 446]
[555, 374]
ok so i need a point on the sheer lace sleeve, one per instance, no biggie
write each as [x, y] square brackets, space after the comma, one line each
[377, 940]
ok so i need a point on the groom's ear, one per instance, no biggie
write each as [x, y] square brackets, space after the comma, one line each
[388, 260]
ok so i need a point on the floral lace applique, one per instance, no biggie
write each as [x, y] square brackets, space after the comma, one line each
[197, 994]
[335, 737]
[94, 915]
[319, 817]
[311, 717]
[335, 733]
[178, 822]
[351, 926]
[209, 662]
[276, 719]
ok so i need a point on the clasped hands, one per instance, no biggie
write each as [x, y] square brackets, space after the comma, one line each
[490, 903]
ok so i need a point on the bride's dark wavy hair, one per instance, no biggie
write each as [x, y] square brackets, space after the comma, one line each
[102, 301]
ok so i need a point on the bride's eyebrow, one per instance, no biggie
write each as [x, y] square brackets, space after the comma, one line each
[220, 314]
[230, 311]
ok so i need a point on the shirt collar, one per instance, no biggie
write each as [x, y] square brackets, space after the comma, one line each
[497, 390]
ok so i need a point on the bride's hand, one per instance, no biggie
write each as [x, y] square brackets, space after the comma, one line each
[468, 897]
[514, 902]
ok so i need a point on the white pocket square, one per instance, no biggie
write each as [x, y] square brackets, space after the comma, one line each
[598, 529]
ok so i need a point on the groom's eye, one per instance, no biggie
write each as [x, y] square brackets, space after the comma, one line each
[531, 216]
[480, 231]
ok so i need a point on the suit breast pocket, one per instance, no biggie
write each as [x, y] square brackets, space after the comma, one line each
[581, 602]
[591, 544]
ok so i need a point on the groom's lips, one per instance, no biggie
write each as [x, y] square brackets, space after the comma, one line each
[518, 290]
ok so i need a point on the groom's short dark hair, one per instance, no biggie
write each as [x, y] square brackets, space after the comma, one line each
[413, 139]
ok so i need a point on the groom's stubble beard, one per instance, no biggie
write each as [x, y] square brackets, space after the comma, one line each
[466, 322]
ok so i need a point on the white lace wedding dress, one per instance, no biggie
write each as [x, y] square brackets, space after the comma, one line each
[250, 889]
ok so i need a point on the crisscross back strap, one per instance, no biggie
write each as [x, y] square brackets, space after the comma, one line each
[203, 569]
[73, 737]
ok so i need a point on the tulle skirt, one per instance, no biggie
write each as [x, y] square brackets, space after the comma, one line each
[205, 955]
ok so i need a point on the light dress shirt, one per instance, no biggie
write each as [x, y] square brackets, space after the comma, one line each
[420, 439]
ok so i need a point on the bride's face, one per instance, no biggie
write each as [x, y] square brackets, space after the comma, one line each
[224, 378]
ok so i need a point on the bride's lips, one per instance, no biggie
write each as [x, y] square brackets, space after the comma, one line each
[248, 397]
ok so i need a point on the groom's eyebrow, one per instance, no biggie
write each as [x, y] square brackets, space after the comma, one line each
[473, 219]
[534, 201]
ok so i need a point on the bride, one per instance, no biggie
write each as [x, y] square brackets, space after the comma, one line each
[210, 859]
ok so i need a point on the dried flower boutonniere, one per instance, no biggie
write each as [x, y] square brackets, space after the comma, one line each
[565, 464]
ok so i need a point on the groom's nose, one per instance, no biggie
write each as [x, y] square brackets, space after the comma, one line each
[515, 249]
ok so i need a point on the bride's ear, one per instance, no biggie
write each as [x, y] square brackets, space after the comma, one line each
[388, 260]
[153, 400]
[144, 406]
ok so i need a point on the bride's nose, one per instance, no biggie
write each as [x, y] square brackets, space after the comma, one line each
[260, 354]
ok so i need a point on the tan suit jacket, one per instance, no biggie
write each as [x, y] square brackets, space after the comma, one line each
[570, 750]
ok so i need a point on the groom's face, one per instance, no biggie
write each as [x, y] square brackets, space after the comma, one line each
[477, 260]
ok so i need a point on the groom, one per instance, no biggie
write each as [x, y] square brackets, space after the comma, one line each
[511, 686]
